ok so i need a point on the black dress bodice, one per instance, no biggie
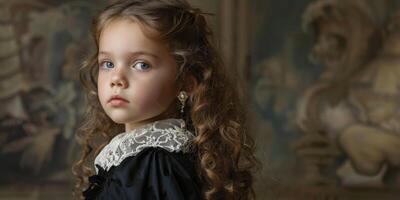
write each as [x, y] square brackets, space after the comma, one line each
[152, 174]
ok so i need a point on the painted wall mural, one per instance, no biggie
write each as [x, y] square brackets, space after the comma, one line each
[325, 93]
[42, 44]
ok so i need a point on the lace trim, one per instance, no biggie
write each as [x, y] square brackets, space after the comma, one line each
[166, 134]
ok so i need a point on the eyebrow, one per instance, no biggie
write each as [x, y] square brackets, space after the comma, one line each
[136, 53]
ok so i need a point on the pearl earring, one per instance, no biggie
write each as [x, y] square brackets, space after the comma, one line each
[183, 96]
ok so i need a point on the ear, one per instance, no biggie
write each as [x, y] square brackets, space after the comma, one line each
[190, 84]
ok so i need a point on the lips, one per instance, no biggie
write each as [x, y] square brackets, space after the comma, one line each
[117, 100]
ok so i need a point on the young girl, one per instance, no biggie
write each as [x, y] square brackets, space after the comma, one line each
[164, 120]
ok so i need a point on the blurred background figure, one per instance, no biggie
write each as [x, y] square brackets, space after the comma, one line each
[344, 48]
[41, 47]
[354, 104]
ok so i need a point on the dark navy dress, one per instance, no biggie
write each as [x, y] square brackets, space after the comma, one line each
[149, 163]
[154, 174]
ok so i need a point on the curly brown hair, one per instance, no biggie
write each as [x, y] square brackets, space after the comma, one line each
[225, 152]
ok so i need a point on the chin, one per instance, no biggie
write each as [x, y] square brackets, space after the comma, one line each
[119, 118]
[118, 121]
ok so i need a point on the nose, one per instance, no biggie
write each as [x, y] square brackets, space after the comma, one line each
[119, 79]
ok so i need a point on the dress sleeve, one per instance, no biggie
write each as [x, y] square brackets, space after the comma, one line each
[154, 174]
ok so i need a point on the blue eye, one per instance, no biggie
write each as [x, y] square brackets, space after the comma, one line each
[107, 65]
[142, 66]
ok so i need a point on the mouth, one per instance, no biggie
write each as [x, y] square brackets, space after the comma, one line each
[117, 100]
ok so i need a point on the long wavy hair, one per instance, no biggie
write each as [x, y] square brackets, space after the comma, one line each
[225, 152]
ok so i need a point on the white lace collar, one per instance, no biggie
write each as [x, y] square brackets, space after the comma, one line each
[166, 134]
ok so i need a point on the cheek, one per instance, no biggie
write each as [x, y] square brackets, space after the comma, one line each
[155, 94]
[101, 86]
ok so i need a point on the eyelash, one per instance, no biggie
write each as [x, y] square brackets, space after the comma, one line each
[103, 63]
[141, 62]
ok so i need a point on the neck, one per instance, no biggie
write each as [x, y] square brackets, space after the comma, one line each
[138, 124]
[134, 125]
[169, 113]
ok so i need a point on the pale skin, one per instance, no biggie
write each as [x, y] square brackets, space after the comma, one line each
[139, 69]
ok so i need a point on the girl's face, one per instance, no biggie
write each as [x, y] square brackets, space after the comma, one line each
[137, 75]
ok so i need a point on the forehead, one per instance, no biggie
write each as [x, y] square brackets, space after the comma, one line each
[128, 35]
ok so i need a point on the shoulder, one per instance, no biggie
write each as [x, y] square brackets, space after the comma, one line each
[154, 173]
[159, 174]
[159, 157]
